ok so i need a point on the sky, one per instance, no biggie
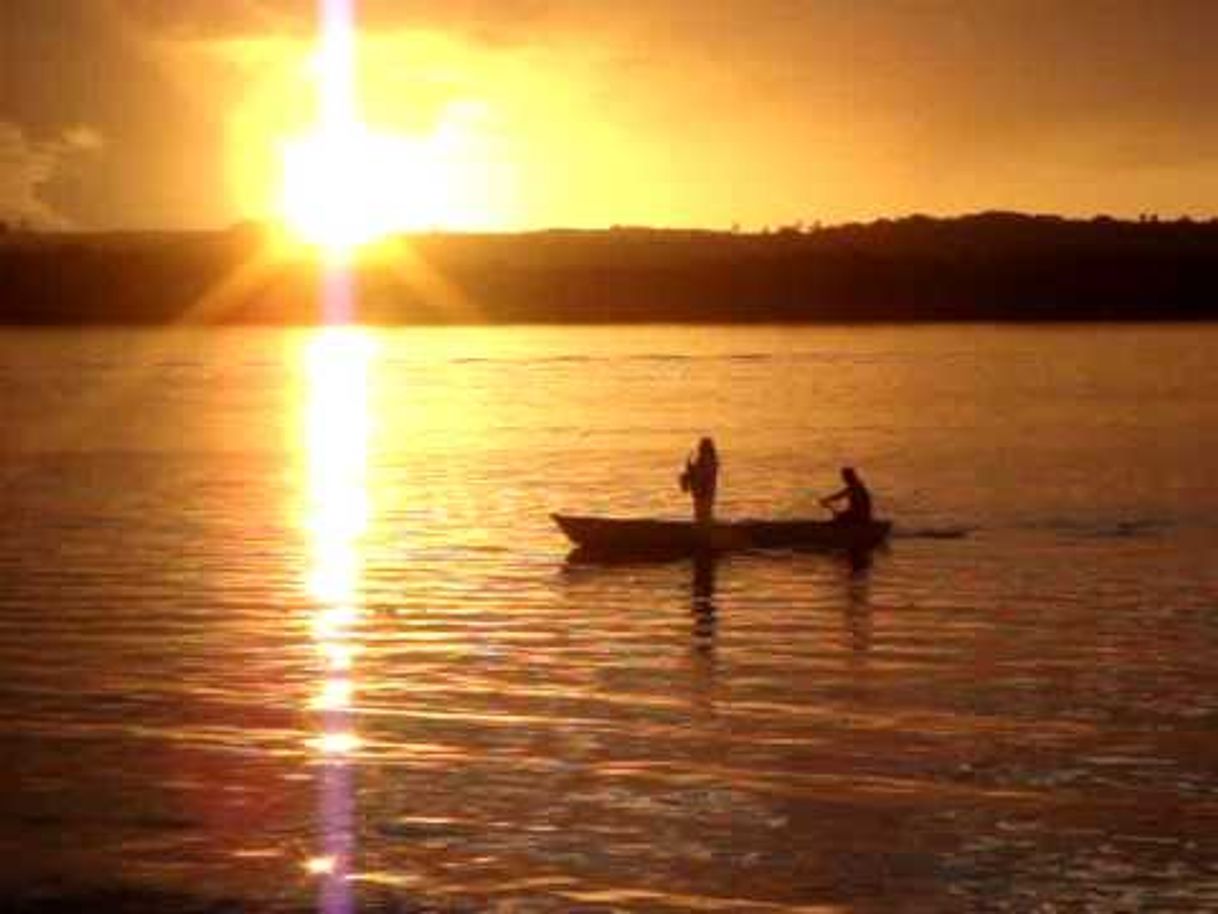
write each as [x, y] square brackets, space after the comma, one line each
[518, 114]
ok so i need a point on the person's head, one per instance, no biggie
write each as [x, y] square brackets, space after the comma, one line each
[850, 477]
[706, 448]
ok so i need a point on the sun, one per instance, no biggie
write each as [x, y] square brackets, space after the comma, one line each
[348, 186]
[345, 184]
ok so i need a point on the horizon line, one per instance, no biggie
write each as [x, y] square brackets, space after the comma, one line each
[16, 226]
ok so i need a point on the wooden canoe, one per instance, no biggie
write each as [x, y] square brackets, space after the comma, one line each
[646, 537]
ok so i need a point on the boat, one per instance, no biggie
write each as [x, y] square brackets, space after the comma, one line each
[651, 538]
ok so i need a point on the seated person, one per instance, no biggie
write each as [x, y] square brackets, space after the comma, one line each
[856, 497]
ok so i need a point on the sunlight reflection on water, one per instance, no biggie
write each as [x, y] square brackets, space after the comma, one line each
[294, 622]
[337, 516]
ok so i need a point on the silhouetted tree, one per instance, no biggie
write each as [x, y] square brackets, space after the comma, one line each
[985, 266]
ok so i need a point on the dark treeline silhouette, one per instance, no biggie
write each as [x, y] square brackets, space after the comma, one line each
[990, 266]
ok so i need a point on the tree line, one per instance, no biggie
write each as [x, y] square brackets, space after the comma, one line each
[983, 267]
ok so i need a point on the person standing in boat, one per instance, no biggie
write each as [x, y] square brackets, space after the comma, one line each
[856, 497]
[700, 478]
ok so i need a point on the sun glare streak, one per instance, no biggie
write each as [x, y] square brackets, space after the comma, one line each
[64, 430]
[326, 190]
[416, 275]
[335, 695]
[339, 657]
[338, 808]
[345, 184]
[336, 65]
[336, 434]
[332, 626]
[319, 866]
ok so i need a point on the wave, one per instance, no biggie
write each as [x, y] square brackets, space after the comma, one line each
[933, 533]
[1068, 527]
[1104, 528]
[1134, 529]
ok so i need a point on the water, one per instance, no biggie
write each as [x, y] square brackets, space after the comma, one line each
[284, 622]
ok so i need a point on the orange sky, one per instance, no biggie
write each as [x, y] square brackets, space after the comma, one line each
[532, 113]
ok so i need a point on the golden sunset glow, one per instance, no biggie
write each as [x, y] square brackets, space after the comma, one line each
[343, 188]
[336, 744]
[531, 115]
[385, 131]
[334, 695]
[345, 183]
[335, 440]
[319, 866]
[558, 455]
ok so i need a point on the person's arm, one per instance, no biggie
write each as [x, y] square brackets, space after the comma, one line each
[829, 500]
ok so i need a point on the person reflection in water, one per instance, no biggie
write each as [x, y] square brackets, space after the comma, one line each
[700, 478]
[703, 594]
[856, 497]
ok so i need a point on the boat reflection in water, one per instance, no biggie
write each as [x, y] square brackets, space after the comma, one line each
[336, 443]
[703, 564]
[702, 603]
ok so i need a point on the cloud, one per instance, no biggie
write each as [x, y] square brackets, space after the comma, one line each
[195, 19]
[84, 138]
[762, 110]
[27, 166]
[24, 167]
[500, 20]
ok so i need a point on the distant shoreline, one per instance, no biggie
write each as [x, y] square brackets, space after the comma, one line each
[990, 268]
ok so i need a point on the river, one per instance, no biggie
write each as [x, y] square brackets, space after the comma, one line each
[285, 624]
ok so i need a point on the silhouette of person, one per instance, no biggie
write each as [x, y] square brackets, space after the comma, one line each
[856, 497]
[700, 479]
